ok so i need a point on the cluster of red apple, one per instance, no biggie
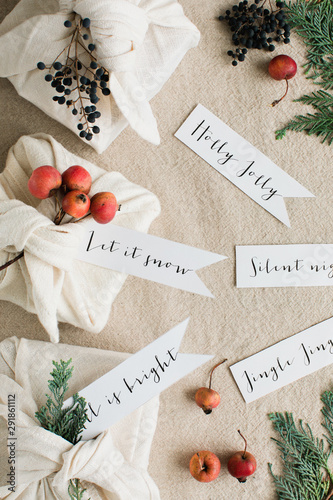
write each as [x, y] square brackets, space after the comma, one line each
[205, 466]
[75, 182]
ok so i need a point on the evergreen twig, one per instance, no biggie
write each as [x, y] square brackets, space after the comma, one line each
[65, 422]
[306, 474]
[313, 22]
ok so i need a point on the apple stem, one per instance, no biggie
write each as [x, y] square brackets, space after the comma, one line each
[58, 218]
[201, 463]
[244, 453]
[7, 264]
[81, 218]
[211, 373]
[274, 103]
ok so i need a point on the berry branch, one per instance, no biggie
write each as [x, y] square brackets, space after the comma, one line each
[256, 27]
[76, 82]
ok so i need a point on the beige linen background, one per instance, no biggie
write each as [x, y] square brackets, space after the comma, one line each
[203, 209]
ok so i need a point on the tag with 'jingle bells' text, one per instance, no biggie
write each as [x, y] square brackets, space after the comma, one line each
[285, 362]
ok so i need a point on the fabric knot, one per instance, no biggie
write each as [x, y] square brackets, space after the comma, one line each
[22, 227]
[118, 28]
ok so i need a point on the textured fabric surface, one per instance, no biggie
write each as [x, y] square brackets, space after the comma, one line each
[48, 280]
[112, 466]
[139, 42]
[201, 208]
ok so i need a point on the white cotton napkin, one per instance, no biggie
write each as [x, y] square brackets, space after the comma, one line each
[48, 280]
[111, 466]
[140, 42]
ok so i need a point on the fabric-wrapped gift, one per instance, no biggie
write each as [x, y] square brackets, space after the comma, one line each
[48, 280]
[139, 42]
[111, 466]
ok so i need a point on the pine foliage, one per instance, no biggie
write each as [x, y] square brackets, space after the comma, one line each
[313, 22]
[65, 422]
[306, 474]
[75, 490]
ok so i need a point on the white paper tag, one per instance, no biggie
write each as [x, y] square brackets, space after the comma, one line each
[137, 380]
[240, 162]
[285, 362]
[284, 265]
[146, 256]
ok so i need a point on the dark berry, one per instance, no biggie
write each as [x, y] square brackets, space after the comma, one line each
[57, 65]
[61, 100]
[67, 81]
[106, 92]
[89, 136]
[68, 24]
[93, 65]
[271, 47]
[96, 129]
[286, 40]
[74, 111]
[86, 22]
[91, 47]
[85, 36]
[234, 63]
[41, 65]
[241, 57]
[48, 78]
[230, 53]
[83, 133]
[80, 126]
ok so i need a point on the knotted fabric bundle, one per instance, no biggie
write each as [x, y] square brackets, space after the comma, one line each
[111, 466]
[48, 280]
[140, 42]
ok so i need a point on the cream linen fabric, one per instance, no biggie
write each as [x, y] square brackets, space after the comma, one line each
[48, 280]
[140, 42]
[112, 466]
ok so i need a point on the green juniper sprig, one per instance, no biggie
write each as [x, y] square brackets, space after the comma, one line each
[75, 490]
[65, 422]
[313, 22]
[306, 474]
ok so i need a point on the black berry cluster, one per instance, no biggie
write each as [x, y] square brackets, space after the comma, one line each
[256, 26]
[79, 82]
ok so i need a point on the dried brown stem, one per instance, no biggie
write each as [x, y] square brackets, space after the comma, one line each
[244, 453]
[274, 103]
[211, 373]
[10, 262]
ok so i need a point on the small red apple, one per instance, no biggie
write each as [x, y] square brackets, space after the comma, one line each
[242, 464]
[207, 398]
[103, 207]
[282, 67]
[44, 181]
[76, 178]
[205, 466]
[76, 203]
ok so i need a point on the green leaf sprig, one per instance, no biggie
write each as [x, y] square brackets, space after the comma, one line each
[65, 422]
[306, 474]
[313, 22]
